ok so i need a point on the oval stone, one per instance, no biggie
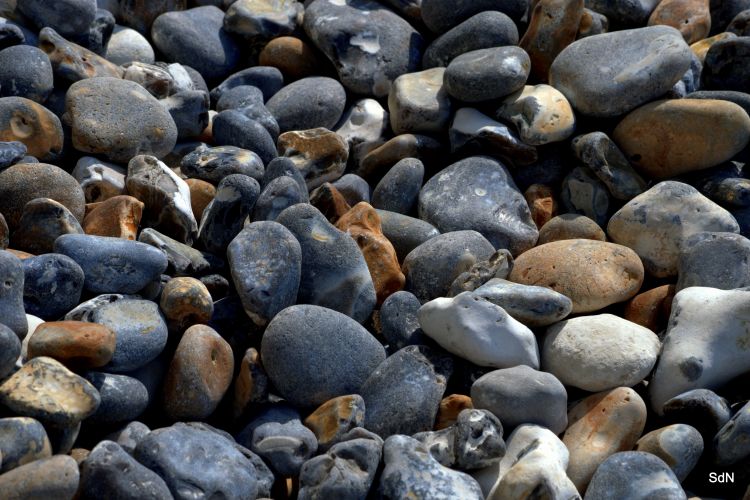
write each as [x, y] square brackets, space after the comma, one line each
[26, 121]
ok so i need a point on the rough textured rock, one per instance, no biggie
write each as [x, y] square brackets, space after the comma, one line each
[653, 477]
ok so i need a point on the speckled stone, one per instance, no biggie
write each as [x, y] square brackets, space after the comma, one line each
[222, 219]
[213, 164]
[52, 477]
[332, 420]
[582, 192]
[618, 475]
[52, 285]
[418, 103]
[22, 440]
[72, 62]
[334, 357]
[32, 124]
[186, 302]
[42, 221]
[404, 232]
[127, 45]
[319, 154]
[25, 72]
[570, 227]
[233, 127]
[399, 322]
[11, 294]
[398, 190]
[117, 217]
[716, 260]
[291, 106]
[702, 409]
[130, 435]
[76, 344]
[11, 152]
[541, 114]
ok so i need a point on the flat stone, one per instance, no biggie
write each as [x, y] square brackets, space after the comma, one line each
[656, 223]
[52, 477]
[11, 294]
[72, 62]
[680, 446]
[182, 260]
[26, 72]
[591, 273]
[534, 306]
[692, 18]
[30, 123]
[52, 285]
[418, 103]
[213, 164]
[332, 420]
[650, 473]
[186, 302]
[76, 344]
[222, 219]
[541, 114]
[291, 106]
[262, 19]
[405, 233]
[99, 179]
[319, 154]
[570, 227]
[42, 221]
[24, 440]
[116, 217]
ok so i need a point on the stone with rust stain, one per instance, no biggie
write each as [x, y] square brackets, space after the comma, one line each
[570, 227]
[691, 17]
[44, 389]
[542, 203]
[199, 375]
[541, 114]
[330, 202]
[319, 154]
[292, 56]
[201, 194]
[30, 123]
[599, 426]
[71, 62]
[553, 26]
[651, 308]
[592, 23]
[450, 407]
[250, 384]
[701, 47]
[186, 302]
[362, 223]
[76, 344]
[52, 477]
[22, 440]
[668, 138]
[99, 179]
[334, 418]
[118, 217]
[42, 221]
[593, 274]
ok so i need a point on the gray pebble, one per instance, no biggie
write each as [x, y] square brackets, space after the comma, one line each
[716, 260]
[404, 232]
[12, 312]
[52, 285]
[485, 74]
[398, 190]
[25, 72]
[223, 217]
[534, 306]
[634, 474]
[399, 321]
[308, 103]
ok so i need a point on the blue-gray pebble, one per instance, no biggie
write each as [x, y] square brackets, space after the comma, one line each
[234, 128]
[25, 72]
[308, 103]
[213, 164]
[12, 313]
[124, 398]
[223, 217]
[634, 474]
[52, 285]
[398, 190]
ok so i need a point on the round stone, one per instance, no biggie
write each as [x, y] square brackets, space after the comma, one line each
[262, 19]
[52, 285]
[12, 312]
[308, 103]
[123, 398]
[213, 164]
[127, 45]
[651, 308]
[716, 260]
[186, 302]
[534, 306]
[679, 445]
[32, 124]
[25, 72]
[404, 232]
[399, 189]
[234, 127]
[42, 221]
[222, 219]
[319, 154]
[292, 56]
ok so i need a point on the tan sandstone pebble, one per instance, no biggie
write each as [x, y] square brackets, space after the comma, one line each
[54, 477]
[449, 409]
[362, 223]
[668, 138]
[34, 125]
[186, 302]
[330, 202]
[593, 274]
[334, 418]
[701, 47]
[570, 227]
[250, 385]
[79, 454]
[201, 194]
[599, 426]
[542, 203]
[541, 113]
[651, 308]
[292, 56]
[319, 154]
[691, 17]
[76, 344]
[118, 217]
[42, 221]
[199, 375]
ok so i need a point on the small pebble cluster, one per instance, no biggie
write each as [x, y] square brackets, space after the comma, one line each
[359, 249]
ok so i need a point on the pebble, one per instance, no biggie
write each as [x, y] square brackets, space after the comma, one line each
[308, 103]
[186, 302]
[613, 73]
[222, 219]
[696, 268]
[269, 80]
[157, 81]
[76, 344]
[691, 17]
[262, 19]
[404, 232]
[319, 154]
[485, 74]
[399, 188]
[118, 119]
[129, 436]
[730, 446]
[42, 221]
[680, 446]
[214, 164]
[127, 45]
[4, 233]
[332, 421]
[23, 120]
[116, 217]
[656, 223]
[25, 72]
[334, 357]
[334, 271]
[52, 285]
[522, 395]
[584, 193]
[377, 161]
[123, 398]
[534, 306]
[479, 331]
[651, 308]
[99, 179]
[399, 322]
[482, 197]
[619, 474]
[189, 110]
[11, 350]
[598, 353]
[284, 192]
[199, 374]
[363, 126]
[418, 103]
[592, 23]
[11, 153]
[11, 294]
[592, 274]
[403, 394]
[140, 332]
[295, 58]
[235, 128]
[702, 409]
[498, 265]
[473, 132]
[51, 477]
[441, 15]
[706, 343]
[201, 194]
[542, 203]
[23, 440]
[599, 426]
[250, 384]
[72, 62]
[570, 227]
[656, 137]
[450, 408]
[540, 113]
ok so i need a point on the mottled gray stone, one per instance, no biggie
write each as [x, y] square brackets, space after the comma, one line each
[474, 133]
[123, 398]
[189, 110]
[222, 219]
[25, 72]
[399, 322]
[716, 260]
[534, 306]
[308, 103]
[10, 350]
[22, 440]
[12, 312]
[278, 195]
[485, 74]
[232, 127]
[679, 445]
[634, 474]
[52, 285]
[584, 193]
[399, 189]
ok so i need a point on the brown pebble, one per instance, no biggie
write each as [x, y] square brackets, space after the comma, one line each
[34, 125]
[651, 308]
[691, 17]
[542, 202]
[334, 418]
[76, 344]
[201, 194]
[79, 454]
[700, 48]
[293, 57]
[55, 477]
[570, 227]
[449, 409]
[330, 202]
[250, 385]
[42, 221]
[186, 302]
[118, 217]
[319, 154]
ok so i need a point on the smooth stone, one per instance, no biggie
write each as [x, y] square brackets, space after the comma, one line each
[706, 344]
[714, 260]
[165, 195]
[269, 80]
[377, 161]
[44, 389]
[10, 350]
[362, 223]
[319, 154]
[651, 308]
[691, 17]
[498, 265]
[294, 57]
[535, 461]
[592, 23]
[363, 127]
[583, 193]
[52, 285]
[680, 446]
[599, 353]
[591, 273]
[702, 409]
[330, 202]
[553, 25]
[11, 294]
[25, 72]
[378, 47]
[619, 474]
[332, 420]
[668, 138]
[249, 101]
[198, 463]
[540, 113]
[76, 344]
[418, 103]
[42, 221]
[626, 12]
[186, 302]
[599, 426]
[127, 45]
[85, 310]
[399, 322]
[485, 74]
[182, 259]
[334, 357]
[404, 232]
[570, 227]
[613, 73]
[432, 266]
[197, 37]
[262, 19]
[308, 103]
[250, 385]
[72, 62]
[534, 306]
[189, 110]
[22, 440]
[100, 180]
[353, 188]
[140, 332]
[118, 119]
[112, 265]
[99, 32]
[110, 472]
[130, 435]
[602, 156]
[284, 167]
[724, 184]
[278, 436]
[479, 331]
[123, 398]
[730, 443]
[23, 120]
[482, 197]
[278, 195]
[156, 80]
[398, 190]
[334, 271]
[11, 153]
[656, 223]
[52, 477]
[201, 194]
[70, 17]
[722, 13]
[222, 219]
[403, 394]
[117, 217]
[474, 133]
[234, 128]
[485, 30]
[441, 15]
[410, 470]
[194, 385]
